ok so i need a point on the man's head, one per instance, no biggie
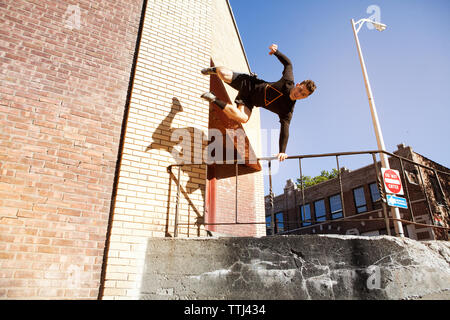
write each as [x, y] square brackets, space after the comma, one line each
[303, 90]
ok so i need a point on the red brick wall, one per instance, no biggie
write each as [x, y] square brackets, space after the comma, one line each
[222, 204]
[226, 205]
[63, 89]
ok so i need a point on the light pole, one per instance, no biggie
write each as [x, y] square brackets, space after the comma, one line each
[376, 124]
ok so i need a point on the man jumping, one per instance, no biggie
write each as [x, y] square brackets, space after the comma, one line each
[279, 97]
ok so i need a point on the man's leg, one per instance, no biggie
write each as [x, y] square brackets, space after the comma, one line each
[223, 73]
[240, 113]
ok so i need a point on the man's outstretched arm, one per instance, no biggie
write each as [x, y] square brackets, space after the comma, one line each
[284, 137]
[288, 73]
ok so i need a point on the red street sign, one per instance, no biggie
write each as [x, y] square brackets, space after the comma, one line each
[392, 181]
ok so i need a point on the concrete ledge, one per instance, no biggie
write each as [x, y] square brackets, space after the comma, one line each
[295, 267]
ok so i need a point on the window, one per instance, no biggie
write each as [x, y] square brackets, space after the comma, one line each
[336, 206]
[412, 176]
[279, 224]
[375, 196]
[374, 192]
[268, 225]
[319, 208]
[360, 200]
[436, 190]
[305, 213]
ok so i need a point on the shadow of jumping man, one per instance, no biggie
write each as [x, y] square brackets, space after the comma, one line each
[186, 148]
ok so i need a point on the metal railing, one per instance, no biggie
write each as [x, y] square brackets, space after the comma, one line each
[345, 218]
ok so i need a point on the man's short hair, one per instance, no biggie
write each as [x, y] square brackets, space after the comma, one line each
[310, 85]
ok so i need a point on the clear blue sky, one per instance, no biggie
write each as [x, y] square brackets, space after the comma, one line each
[408, 66]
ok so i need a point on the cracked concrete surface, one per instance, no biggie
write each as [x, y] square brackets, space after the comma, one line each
[295, 267]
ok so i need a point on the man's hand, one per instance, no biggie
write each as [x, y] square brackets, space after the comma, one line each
[273, 48]
[282, 156]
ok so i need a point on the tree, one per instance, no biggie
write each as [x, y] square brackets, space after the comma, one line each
[324, 176]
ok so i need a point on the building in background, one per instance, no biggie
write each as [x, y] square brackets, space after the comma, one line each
[321, 209]
[97, 100]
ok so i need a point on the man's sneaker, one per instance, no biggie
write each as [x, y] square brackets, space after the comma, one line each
[209, 96]
[209, 71]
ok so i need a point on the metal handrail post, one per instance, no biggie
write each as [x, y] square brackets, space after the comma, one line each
[340, 186]
[441, 189]
[426, 197]
[303, 190]
[175, 233]
[272, 214]
[236, 194]
[382, 194]
[406, 190]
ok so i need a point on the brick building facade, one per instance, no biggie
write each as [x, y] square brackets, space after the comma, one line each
[92, 97]
[321, 209]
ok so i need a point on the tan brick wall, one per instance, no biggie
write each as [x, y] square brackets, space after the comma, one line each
[63, 87]
[166, 93]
